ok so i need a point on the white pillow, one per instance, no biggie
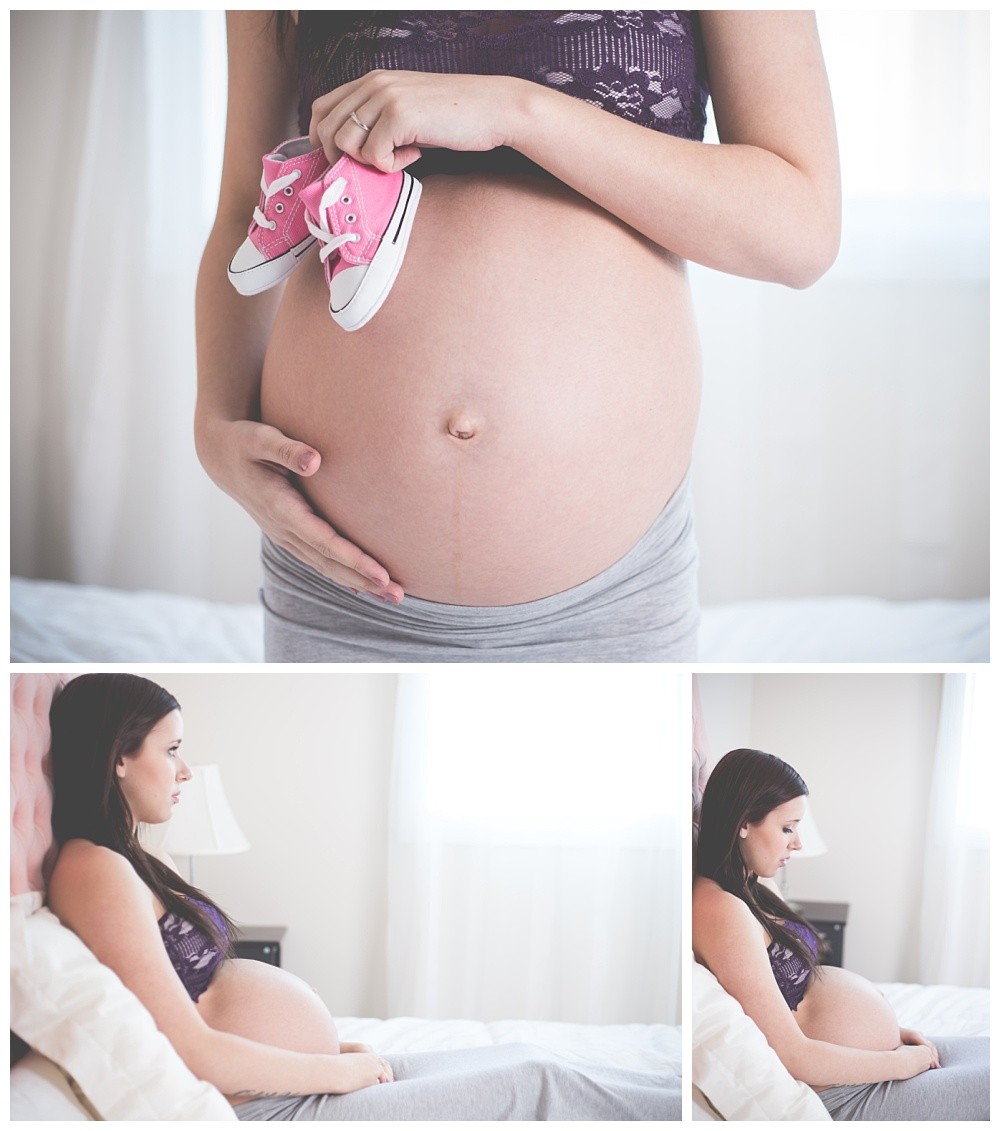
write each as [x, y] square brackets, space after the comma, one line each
[40, 1091]
[733, 1065]
[74, 1010]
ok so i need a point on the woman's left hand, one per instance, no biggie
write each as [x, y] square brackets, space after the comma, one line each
[405, 110]
[912, 1037]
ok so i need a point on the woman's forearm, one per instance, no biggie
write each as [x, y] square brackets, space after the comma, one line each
[241, 1067]
[232, 331]
[737, 208]
[822, 1064]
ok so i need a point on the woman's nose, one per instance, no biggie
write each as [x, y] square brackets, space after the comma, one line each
[183, 770]
[796, 843]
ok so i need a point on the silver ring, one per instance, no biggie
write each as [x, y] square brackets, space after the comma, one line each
[358, 122]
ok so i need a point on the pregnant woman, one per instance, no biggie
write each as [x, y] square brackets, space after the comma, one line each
[831, 1028]
[494, 467]
[256, 1032]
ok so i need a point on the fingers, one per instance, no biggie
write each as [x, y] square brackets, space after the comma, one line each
[358, 119]
[340, 560]
[273, 446]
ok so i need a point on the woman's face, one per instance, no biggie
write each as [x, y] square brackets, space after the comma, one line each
[768, 844]
[151, 779]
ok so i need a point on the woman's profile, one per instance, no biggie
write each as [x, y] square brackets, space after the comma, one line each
[830, 1028]
[255, 1031]
[486, 457]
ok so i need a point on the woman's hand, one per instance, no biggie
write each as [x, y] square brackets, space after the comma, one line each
[253, 462]
[405, 110]
[354, 1046]
[912, 1037]
[915, 1059]
[361, 1070]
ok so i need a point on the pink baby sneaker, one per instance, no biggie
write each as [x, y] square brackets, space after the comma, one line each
[278, 237]
[362, 218]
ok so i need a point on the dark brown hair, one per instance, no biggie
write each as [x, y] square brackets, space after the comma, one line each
[97, 720]
[743, 788]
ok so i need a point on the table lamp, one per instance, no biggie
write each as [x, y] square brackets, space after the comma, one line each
[203, 823]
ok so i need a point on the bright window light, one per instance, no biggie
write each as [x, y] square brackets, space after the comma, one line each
[543, 755]
[974, 800]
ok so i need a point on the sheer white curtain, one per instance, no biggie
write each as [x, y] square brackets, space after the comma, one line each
[536, 845]
[844, 443]
[103, 382]
[955, 920]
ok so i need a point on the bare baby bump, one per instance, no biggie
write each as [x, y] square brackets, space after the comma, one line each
[267, 1004]
[845, 1009]
[518, 412]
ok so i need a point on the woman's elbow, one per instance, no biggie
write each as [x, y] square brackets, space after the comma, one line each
[813, 263]
[816, 249]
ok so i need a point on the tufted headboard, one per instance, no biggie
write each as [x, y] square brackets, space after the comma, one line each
[30, 792]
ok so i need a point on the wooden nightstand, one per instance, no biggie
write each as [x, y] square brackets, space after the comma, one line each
[261, 943]
[830, 919]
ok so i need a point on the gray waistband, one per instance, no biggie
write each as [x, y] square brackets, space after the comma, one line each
[650, 590]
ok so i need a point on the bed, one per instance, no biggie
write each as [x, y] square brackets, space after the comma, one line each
[94, 1051]
[57, 622]
[736, 1075]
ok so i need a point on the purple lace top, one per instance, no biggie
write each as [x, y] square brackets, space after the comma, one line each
[645, 66]
[192, 953]
[790, 972]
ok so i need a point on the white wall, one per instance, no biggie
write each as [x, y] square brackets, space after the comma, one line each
[865, 746]
[305, 762]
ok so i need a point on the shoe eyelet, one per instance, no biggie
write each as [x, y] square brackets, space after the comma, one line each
[350, 218]
[279, 207]
[289, 191]
[345, 200]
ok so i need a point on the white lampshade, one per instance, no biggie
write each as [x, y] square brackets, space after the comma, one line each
[203, 823]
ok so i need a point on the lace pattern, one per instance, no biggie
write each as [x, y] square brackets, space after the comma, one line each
[790, 972]
[646, 66]
[191, 952]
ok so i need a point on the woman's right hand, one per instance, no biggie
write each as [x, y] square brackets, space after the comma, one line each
[361, 1070]
[253, 463]
[916, 1059]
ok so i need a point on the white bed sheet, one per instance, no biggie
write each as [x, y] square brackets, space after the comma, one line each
[940, 1011]
[56, 622]
[644, 1048]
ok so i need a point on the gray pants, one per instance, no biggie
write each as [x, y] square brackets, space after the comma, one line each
[642, 608]
[958, 1090]
[493, 1083]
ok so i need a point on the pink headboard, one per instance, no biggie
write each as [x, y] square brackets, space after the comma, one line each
[30, 792]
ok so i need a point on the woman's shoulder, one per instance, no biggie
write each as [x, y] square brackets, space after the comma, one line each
[719, 914]
[84, 870]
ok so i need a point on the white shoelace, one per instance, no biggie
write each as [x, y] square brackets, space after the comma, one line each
[329, 241]
[279, 184]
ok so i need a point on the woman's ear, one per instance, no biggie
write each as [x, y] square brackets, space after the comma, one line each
[744, 831]
[120, 767]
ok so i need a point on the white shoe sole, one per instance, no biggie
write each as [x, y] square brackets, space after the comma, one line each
[269, 272]
[386, 262]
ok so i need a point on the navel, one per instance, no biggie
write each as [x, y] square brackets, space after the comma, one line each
[463, 425]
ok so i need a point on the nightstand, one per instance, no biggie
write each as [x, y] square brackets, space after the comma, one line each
[261, 943]
[830, 919]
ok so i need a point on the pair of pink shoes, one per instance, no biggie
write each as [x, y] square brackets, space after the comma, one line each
[361, 218]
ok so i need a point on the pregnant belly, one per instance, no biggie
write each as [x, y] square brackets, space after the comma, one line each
[264, 1003]
[845, 1009]
[520, 409]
